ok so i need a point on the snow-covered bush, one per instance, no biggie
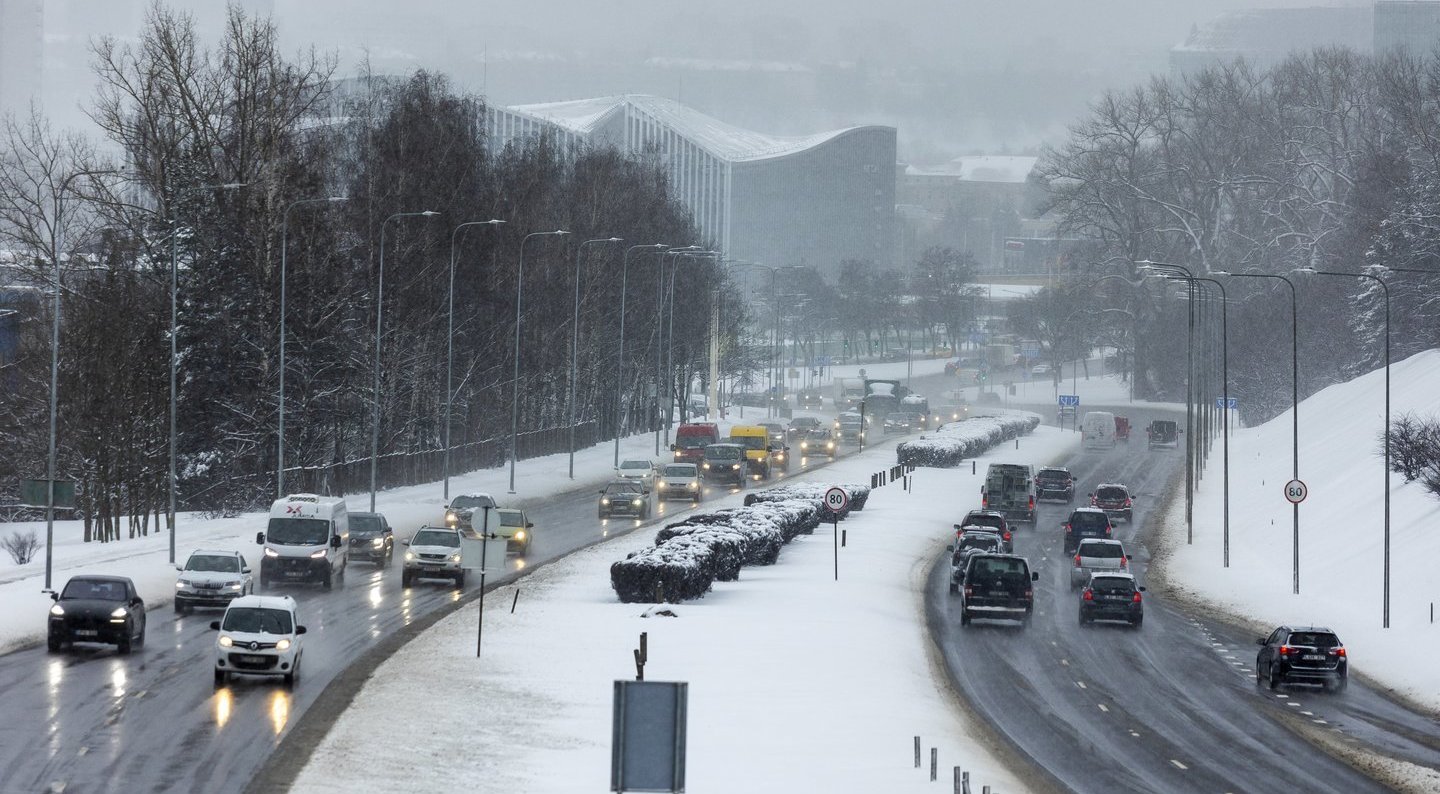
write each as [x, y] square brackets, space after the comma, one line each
[21, 546]
[812, 492]
[734, 545]
[955, 441]
[680, 570]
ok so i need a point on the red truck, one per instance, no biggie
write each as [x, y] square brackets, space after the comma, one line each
[692, 439]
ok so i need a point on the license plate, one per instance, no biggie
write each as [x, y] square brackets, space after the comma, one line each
[87, 633]
[1313, 657]
[254, 659]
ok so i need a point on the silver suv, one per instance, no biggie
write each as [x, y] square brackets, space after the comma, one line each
[212, 579]
[433, 553]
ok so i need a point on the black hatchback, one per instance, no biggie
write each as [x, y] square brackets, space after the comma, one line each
[1309, 654]
[1086, 522]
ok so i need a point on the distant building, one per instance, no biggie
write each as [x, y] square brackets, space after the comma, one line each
[1409, 24]
[971, 203]
[1266, 36]
[812, 200]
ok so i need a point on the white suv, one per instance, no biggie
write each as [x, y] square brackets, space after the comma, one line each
[212, 579]
[433, 553]
[259, 635]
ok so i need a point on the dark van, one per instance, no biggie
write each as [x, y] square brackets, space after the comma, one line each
[997, 587]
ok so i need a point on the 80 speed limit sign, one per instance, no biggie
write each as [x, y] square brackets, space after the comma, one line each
[1295, 491]
[836, 499]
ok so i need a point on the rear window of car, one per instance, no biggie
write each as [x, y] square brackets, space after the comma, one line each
[1102, 550]
[1088, 522]
[1314, 639]
[1110, 493]
[997, 565]
[1052, 474]
[1112, 584]
[978, 520]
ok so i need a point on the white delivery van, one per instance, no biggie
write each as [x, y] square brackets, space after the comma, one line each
[306, 540]
[1097, 430]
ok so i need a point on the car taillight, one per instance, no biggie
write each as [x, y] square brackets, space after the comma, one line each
[1124, 563]
[1088, 596]
[1107, 531]
[1007, 537]
[1077, 560]
[984, 502]
[1337, 651]
[1032, 503]
[1136, 599]
[1285, 650]
[969, 591]
[1029, 594]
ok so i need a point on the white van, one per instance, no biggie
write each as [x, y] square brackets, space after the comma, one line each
[307, 540]
[1097, 430]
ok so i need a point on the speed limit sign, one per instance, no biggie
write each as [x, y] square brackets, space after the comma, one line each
[836, 499]
[1295, 491]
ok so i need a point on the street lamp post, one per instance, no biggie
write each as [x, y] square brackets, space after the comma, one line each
[620, 360]
[670, 343]
[1294, 413]
[284, 250]
[660, 373]
[174, 322]
[58, 224]
[450, 346]
[1189, 394]
[1385, 290]
[575, 342]
[379, 318]
[515, 380]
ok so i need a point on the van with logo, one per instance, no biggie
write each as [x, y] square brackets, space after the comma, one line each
[1097, 430]
[307, 539]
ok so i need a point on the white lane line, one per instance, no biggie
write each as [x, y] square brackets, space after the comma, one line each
[1293, 703]
[1178, 765]
[1080, 684]
[1136, 735]
[1308, 713]
[1102, 707]
[1320, 722]
[1064, 662]
[83, 750]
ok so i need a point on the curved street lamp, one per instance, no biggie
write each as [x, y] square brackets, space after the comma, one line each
[1161, 267]
[620, 360]
[1385, 290]
[379, 317]
[515, 380]
[450, 345]
[284, 250]
[575, 340]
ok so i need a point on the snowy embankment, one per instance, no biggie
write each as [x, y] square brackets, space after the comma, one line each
[955, 441]
[1341, 531]
[798, 681]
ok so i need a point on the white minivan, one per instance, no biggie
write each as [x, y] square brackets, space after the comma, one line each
[1097, 430]
[306, 540]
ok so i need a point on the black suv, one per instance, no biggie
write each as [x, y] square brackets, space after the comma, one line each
[1163, 433]
[997, 587]
[371, 538]
[1115, 500]
[1055, 482]
[991, 519]
[1086, 522]
[976, 541]
[1301, 653]
[104, 609]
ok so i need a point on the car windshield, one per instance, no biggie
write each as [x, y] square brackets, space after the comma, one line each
[257, 620]
[620, 489]
[1315, 639]
[1107, 551]
[1110, 494]
[691, 442]
[97, 589]
[898, 417]
[1112, 584]
[1052, 474]
[365, 525]
[849, 421]
[1088, 522]
[512, 518]
[722, 453]
[750, 442]
[635, 465]
[223, 563]
[297, 531]
[679, 471]
[988, 542]
[436, 538]
[472, 501]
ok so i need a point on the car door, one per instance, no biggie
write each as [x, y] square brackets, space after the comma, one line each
[1267, 652]
[137, 605]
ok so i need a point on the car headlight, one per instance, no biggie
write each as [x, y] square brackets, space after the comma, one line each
[57, 610]
[636, 503]
[604, 501]
[409, 555]
[455, 557]
[269, 552]
[735, 466]
[182, 583]
[519, 534]
[780, 456]
[693, 485]
[119, 612]
[862, 435]
[378, 543]
[318, 555]
[225, 641]
[235, 586]
[830, 445]
[282, 645]
[804, 444]
[707, 465]
[662, 485]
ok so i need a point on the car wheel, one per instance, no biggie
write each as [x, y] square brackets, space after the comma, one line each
[1274, 678]
[954, 589]
[1135, 624]
[460, 580]
[964, 617]
[1342, 682]
[264, 580]
[1259, 677]
[220, 676]
[123, 646]
[52, 642]
[328, 582]
[405, 579]
[179, 607]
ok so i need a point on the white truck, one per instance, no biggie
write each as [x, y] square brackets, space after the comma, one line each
[849, 393]
[306, 540]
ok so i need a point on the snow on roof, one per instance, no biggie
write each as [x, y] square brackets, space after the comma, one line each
[725, 141]
[981, 168]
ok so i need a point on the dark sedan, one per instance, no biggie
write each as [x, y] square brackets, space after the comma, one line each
[103, 609]
[624, 498]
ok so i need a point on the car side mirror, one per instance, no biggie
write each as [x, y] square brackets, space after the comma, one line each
[54, 596]
[957, 527]
[136, 603]
[405, 542]
[214, 625]
[674, 447]
[602, 493]
[1259, 640]
[529, 525]
[950, 547]
[1141, 589]
[180, 568]
[334, 541]
[260, 538]
[299, 629]
[244, 570]
[1129, 557]
[1034, 576]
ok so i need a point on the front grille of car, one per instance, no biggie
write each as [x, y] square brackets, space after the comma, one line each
[208, 585]
[433, 557]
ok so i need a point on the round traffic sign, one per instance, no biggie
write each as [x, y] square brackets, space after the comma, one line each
[1295, 491]
[836, 499]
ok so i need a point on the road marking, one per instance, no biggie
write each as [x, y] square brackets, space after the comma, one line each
[83, 750]
[1102, 707]
[1319, 722]
[1136, 735]
[1293, 703]
[1080, 684]
[1308, 713]
[1064, 662]
[1178, 765]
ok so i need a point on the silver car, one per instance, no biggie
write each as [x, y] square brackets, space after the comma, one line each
[1096, 555]
[212, 579]
[639, 470]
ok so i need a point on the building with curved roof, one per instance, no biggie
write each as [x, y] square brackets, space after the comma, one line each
[781, 200]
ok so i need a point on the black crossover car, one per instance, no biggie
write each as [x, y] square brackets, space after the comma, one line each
[1055, 482]
[1309, 654]
[1112, 596]
[371, 538]
[104, 609]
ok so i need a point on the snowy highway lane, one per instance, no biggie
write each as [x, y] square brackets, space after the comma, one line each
[1172, 706]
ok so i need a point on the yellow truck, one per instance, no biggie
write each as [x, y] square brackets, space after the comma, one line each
[756, 441]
